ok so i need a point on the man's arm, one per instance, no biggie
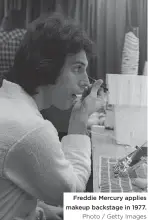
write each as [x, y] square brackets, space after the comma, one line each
[39, 166]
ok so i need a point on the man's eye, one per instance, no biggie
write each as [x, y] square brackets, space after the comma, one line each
[78, 69]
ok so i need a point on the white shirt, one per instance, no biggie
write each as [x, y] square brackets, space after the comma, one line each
[34, 164]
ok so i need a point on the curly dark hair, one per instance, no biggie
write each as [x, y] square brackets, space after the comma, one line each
[42, 53]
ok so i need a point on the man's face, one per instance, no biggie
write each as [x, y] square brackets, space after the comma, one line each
[72, 80]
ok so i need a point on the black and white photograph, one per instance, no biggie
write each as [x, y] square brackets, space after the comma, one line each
[73, 102]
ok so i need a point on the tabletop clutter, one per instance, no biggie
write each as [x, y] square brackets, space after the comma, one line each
[135, 166]
[127, 95]
[123, 179]
[125, 113]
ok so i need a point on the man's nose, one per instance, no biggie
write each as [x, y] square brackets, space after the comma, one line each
[85, 81]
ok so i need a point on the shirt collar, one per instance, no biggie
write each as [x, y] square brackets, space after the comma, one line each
[14, 91]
